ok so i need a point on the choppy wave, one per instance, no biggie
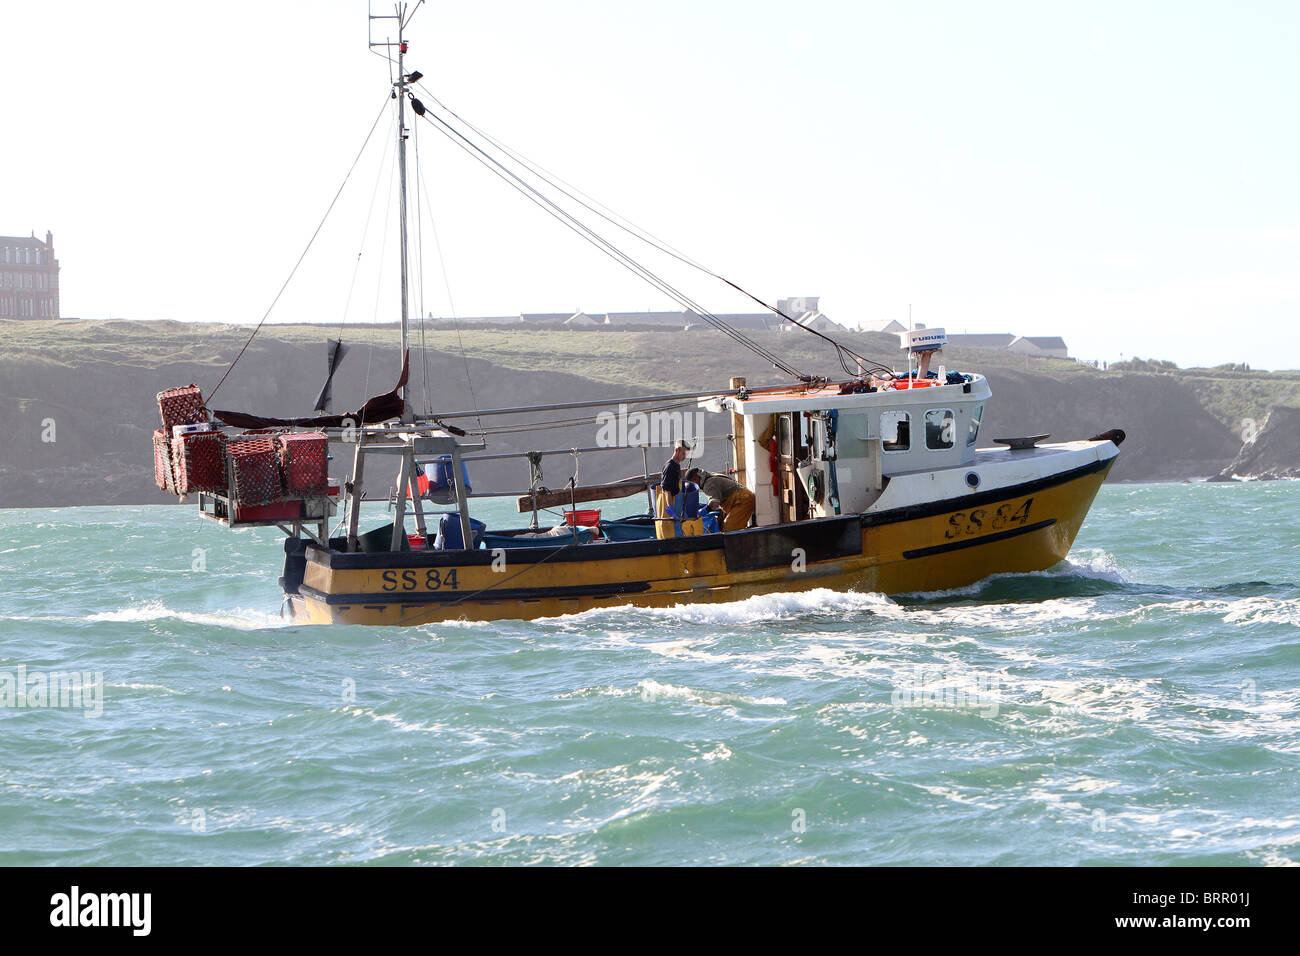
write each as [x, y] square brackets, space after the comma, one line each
[242, 619]
[1137, 703]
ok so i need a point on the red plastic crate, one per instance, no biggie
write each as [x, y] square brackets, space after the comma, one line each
[162, 462]
[181, 406]
[304, 462]
[199, 460]
[583, 518]
[255, 469]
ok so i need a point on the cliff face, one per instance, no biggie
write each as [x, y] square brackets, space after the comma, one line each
[82, 435]
[77, 414]
[1273, 453]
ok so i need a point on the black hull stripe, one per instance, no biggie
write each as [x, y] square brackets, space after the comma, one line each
[931, 508]
[401, 560]
[973, 542]
[479, 597]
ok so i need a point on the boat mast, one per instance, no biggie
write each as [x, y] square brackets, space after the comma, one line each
[406, 469]
[400, 85]
[400, 91]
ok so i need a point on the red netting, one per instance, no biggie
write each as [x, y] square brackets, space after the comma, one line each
[180, 406]
[256, 470]
[304, 462]
[162, 462]
[200, 462]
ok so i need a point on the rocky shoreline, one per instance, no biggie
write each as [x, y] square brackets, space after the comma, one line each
[1271, 453]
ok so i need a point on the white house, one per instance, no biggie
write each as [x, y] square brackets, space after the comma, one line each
[883, 325]
[1050, 346]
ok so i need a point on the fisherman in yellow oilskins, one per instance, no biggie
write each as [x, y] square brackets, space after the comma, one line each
[677, 504]
[736, 501]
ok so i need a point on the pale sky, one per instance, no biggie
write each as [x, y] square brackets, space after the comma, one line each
[1124, 175]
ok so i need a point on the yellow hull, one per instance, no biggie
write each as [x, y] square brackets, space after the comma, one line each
[920, 548]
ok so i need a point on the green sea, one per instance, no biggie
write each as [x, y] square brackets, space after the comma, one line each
[1137, 704]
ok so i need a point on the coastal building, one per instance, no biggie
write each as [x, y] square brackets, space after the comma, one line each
[884, 325]
[1051, 346]
[1043, 346]
[982, 340]
[29, 278]
[806, 311]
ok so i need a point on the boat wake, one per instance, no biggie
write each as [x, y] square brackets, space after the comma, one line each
[241, 619]
[760, 609]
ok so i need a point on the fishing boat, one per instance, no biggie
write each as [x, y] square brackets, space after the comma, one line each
[870, 479]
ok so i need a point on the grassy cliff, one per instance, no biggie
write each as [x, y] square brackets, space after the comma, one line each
[95, 383]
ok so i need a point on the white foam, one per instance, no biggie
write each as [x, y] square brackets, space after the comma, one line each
[1261, 610]
[761, 608]
[773, 607]
[160, 687]
[653, 690]
[1013, 616]
[240, 619]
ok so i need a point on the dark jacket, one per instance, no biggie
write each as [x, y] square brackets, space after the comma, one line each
[717, 487]
[672, 477]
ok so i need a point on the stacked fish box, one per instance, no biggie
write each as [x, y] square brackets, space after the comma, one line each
[304, 463]
[162, 462]
[259, 476]
[178, 407]
[255, 478]
[199, 459]
[274, 472]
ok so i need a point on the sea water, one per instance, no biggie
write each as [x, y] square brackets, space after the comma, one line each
[1137, 704]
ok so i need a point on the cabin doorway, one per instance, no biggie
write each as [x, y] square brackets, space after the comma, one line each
[790, 449]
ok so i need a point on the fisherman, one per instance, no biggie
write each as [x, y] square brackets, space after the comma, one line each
[671, 481]
[736, 501]
[677, 504]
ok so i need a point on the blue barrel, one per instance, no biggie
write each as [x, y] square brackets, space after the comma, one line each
[449, 537]
[442, 482]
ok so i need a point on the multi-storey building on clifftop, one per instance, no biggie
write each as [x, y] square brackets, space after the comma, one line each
[29, 278]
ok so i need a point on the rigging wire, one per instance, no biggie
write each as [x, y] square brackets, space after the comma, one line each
[423, 187]
[621, 222]
[383, 256]
[564, 185]
[365, 235]
[310, 241]
[370, 214]
[604, 245]
[419, 271]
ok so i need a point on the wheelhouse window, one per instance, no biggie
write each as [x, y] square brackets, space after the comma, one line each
[940, 428]
[973, 432]
[895, 431]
